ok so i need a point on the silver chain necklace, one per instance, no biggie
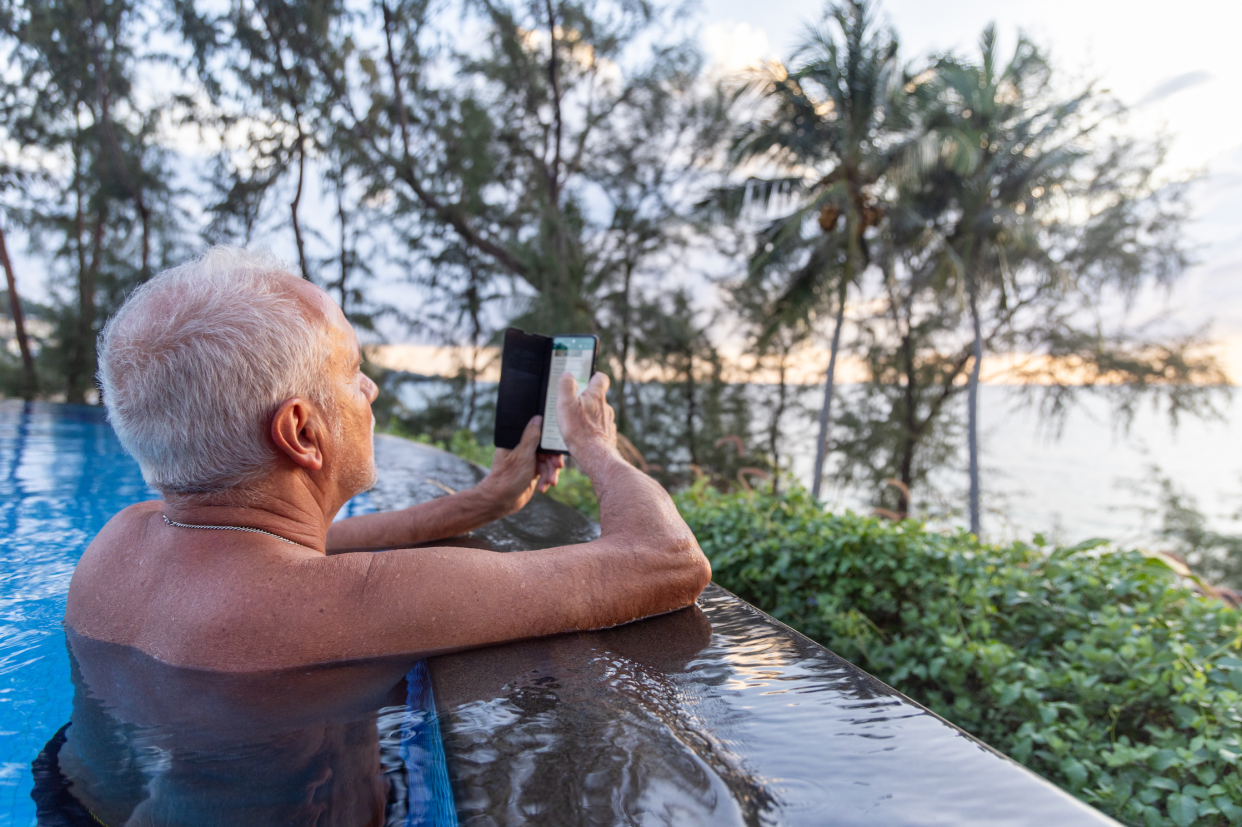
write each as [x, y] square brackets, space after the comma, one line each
[231, 528]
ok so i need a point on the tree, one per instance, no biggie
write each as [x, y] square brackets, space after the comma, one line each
[1010, 146]
[687, 421]
[536, 173]
[1026, 231]
[1019, 158]
[751, 301]
[251, 60]
[30, 382]
[837, 127]
[104, 215]
[1187, 531]
[13, 179]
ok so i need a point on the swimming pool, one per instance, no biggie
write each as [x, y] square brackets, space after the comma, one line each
[715, 714]
[63, 475]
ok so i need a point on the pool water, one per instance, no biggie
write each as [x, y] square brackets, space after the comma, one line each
[63, 475]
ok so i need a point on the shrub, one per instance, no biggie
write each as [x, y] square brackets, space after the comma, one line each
[1098, 669]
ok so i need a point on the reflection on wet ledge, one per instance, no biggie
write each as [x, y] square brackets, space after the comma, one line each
[713, 715]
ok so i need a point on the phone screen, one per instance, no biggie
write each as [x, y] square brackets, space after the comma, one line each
[575, 354]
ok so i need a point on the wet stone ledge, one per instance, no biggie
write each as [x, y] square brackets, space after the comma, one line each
[717, 714]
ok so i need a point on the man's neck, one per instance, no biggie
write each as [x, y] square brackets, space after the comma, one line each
[286, 504]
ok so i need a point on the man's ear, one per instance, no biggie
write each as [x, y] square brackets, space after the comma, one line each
[299, 433]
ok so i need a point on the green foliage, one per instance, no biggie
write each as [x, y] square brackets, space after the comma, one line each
[575, 490]
[465, 445]
[1097, 669]
[692, 423]
[10, 375]
[462, 443]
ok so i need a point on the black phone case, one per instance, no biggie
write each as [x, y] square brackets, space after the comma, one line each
[525, 364]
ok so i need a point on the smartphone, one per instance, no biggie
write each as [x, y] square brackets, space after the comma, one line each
[575, 354]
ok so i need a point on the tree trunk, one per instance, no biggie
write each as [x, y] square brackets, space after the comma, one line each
[474, 383]
[912, 426]
[297, 200]
[82, 361]
[625, 348]
[554, 82]
[476, 330]
[972, 416]
[30, 385]
[825, 413]
[690, 411]
[82, 338]
[344, 260]
[774, 430]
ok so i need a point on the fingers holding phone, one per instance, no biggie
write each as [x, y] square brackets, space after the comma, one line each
[587, 421]
[549, 467]
[516, 473]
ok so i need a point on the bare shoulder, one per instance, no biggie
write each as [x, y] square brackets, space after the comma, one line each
[135, 511]
[124, 530]
[111, 549]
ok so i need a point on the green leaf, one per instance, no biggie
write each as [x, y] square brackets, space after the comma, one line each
[1164, 759]
[1075, 772]
[1182, 809]
[1206, 775]
[1230, 810]
[1010, 694]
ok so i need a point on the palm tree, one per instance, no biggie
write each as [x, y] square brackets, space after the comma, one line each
[834, 128]
[1007, 149]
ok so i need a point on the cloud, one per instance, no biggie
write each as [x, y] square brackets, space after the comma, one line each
[733, 47]
[1173, 85]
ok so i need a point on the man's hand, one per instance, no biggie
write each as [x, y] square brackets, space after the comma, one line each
[517, 473]
[587, 422]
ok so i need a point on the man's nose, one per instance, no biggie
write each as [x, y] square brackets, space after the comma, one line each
[370, 388]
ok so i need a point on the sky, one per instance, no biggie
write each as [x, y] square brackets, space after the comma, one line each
[1177, 72]
[1176, 67]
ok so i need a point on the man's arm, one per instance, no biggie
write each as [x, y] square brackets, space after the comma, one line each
[515, 476]
[434, 600]
[645, 562]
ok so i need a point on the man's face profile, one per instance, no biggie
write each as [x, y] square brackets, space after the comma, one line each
[351, 422]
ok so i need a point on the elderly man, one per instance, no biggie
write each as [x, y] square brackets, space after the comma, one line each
[238, 388]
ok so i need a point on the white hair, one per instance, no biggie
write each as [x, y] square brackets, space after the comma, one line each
[197, 361]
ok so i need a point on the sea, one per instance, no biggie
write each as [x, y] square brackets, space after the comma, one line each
[1088, 475]
[1092, 474]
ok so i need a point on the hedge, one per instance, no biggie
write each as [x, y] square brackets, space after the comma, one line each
[1098, 669]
